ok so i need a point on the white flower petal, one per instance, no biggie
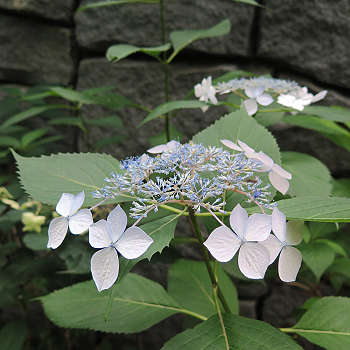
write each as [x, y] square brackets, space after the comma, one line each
[198, 90]
[258, 227]
[99, 236]
[80, 221]
[265, 99]
[249, 91]
[57, 231]
[157, 149]
[320, 96]
[77, 203]
[286, 100]
[172, 144]
[253, 260]
[211, 96]
[251, 106]
[247, 150]
[279, 224]
[64, 205]
[273, 245]
[232, 145]
[116, 222]
[289, 264]
[278, 182]
[297, 104]
[105, 268]
[222, 244]
[294, 232]
[280, 171]
[238, 220]
[133, 243]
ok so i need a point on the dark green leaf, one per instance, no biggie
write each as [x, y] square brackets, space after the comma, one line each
[13, 335]
[114, 2]
[107, 122]
[331, 113]
[9, 141]
[31, 136]
[107, 141]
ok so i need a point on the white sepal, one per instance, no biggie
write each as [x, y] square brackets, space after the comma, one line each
[251, 106]
[80, 221]
[289, 264]
[258, 227]
[278, 182]
[253, 260]
[98, 235]
[64, 205]
[133, 243]
[273, 245]
[77, 203]
[238, 220]
[116, 222]
[279, 224]
[105, 268]
[57, 231]
[222, 244]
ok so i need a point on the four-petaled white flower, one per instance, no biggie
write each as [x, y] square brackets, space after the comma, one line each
[162, 148]
[277, 175]
[77, 221]
[298, 100]
[112, 237]
[205, 92]
[286, 235]
[256, 95]
[253, 258]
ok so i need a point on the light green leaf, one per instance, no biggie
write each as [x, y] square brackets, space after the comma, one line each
[341, 187]
[47, 177]
[114, 2]
[268, 118]
[329, 209]
[73, 95]
[326, 323]
[241, 333]
[138, 304]
[182, 38]
[117, 52]
[310, 176]
[189, 284]
[340, 266]
[337, 114]
[13, 335]
[338, 249]
[318, 256]
[170, 106]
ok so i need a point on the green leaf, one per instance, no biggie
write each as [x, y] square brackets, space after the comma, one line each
[329, 209]
[114, 2]
[9, 141]
[35, 241]
[318, 256]
[28, 113]
[170, 106]
[47, 177]
[107, 122]
[341, 188]
[117, 52]
[189, 284]
[182, 38]
[32, 136]
[242, 334]
[338, 249]
[114, 101]
[162, 138]
[249, 2]
[340, 266]
[13, 335]
[326, 323]
[138, 304]
[310, 176]
[73, 95]
[337, 114]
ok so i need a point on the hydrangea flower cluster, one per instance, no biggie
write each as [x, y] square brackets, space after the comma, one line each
[189, 174]
[258, 91]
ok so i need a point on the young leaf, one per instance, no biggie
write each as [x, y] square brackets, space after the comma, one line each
[170, 106]
[117, 52]
[189, 284]
[47, 177]
[138, 304]
[240, 333]
[310, 176]
[182, 38]
[326, 323]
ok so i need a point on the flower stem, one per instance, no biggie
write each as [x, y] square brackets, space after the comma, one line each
[205, 253]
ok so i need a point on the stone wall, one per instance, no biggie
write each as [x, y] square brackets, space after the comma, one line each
[45, 41]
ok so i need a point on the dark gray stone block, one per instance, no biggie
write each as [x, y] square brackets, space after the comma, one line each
[310, 36]
[139, 24]
[33, 52]
[54, 10]
[142, 82]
